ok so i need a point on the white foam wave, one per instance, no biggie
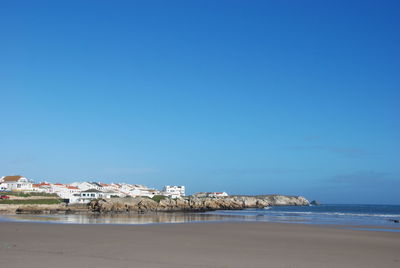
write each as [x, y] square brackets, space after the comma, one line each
[338, 214]
[268, 212]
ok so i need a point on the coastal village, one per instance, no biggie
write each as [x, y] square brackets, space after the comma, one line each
[21, 195]
[84, 192]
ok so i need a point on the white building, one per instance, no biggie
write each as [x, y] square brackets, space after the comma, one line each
[211, 194]
[83, 186]
[173, 191]
[42, 187]
[57, 187]
[97, 186]
[15, 183]
[107, 187]
[3, 186]
[149, 192]
[88, 195]
[217, 194]
[68, 192]
[141, 190]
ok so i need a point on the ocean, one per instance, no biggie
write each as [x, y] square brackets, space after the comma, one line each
[350, 214]
[382, 216]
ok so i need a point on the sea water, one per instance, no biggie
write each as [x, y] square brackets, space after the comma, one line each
[377, 215]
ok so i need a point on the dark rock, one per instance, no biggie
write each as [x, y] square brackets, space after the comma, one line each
[315, 203]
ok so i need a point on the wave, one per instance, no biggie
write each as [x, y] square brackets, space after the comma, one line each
[338, 214]
[290, 213]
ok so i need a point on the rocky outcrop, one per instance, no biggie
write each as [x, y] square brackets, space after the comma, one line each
[141, 204]
[31, 209]
[315, 203]
[43, 209]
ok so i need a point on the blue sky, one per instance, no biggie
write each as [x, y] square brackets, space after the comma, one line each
[248, 97]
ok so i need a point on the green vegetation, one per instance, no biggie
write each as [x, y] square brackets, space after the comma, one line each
[15, 194]
[158, 198]
[42, 194]
[31, 202]
[21, 194]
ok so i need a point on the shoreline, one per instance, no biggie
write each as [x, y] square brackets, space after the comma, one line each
[222, 244]
[161, 218]
[356, 227]
[349, 216]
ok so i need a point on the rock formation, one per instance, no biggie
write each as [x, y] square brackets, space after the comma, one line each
[142, 204]
[315, 203]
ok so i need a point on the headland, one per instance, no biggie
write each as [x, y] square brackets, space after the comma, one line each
[164, 204]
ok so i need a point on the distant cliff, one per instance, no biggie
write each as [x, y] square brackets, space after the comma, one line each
[141, 204]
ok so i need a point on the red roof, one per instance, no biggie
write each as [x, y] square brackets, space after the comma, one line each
[73, 188]
[40, 184]
[12, 178]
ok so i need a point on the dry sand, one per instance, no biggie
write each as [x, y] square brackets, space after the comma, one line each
[194, 245]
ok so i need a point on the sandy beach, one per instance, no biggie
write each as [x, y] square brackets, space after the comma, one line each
[194, 245]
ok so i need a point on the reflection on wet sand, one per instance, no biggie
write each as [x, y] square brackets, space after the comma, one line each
[122, 218]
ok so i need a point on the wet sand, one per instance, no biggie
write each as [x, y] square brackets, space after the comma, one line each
[225, 245]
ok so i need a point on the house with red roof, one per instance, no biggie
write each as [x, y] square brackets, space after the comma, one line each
[15, 183]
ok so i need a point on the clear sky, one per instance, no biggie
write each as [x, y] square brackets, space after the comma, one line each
[248, 97]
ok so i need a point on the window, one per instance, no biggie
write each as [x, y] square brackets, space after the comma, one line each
[92, 195]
